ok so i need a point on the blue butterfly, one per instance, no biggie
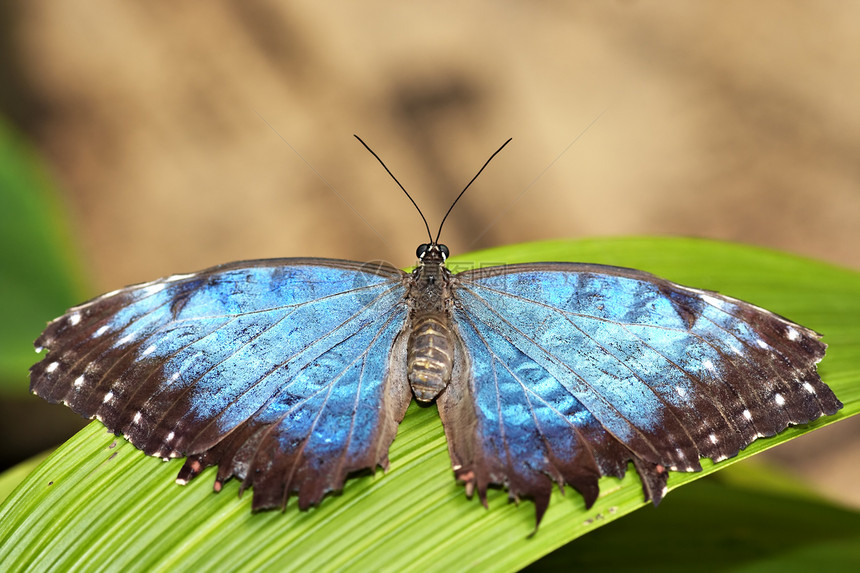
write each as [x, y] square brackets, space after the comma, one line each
[290, 374]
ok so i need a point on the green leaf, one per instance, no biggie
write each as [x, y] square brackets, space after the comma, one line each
[717, 526]
[13, 476]
[97, 500]
[39, 276]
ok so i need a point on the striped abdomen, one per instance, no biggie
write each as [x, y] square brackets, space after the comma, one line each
[430, 356]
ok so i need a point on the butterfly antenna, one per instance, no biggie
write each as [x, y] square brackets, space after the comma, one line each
[367, 147]
[439, 234]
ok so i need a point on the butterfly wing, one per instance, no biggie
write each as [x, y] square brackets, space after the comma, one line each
[286, 373]
[569, 371]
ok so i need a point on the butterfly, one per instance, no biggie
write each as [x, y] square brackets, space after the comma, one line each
[291, 374]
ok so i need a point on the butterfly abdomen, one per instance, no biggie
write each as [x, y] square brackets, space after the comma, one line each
[430, 356]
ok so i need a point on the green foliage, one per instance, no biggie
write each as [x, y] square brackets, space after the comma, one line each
[719, 526]
[39, 273]
[97, 500]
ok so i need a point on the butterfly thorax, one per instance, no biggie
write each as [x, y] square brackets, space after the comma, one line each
[430, 349]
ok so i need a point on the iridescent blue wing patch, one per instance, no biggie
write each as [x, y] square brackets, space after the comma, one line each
[567, 372]
[286, 373]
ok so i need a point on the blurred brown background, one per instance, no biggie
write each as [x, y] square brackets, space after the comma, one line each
[189, 135]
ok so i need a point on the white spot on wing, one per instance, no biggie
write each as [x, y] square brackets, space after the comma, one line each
[174, 377]
[79, 381]
[124, 339]
[52, 366]
[152, 289]
[780, 401]
[808, 387]
[681, 392]
[747, 415]
[39, 349]
[173, 278]
[108, 397]
[792, 334]
[110, 294]
[102, 329]
[75, 319]
[709, 365]
[713, 438]
[149, 350]
[170, 436]
[713, 301]
[137, 417]
[181, 481]
[761, 343]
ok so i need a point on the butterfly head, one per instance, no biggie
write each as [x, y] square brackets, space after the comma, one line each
[432, 252]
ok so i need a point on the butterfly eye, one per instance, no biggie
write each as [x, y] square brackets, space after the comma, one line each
[444, 250]
[422, 250]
